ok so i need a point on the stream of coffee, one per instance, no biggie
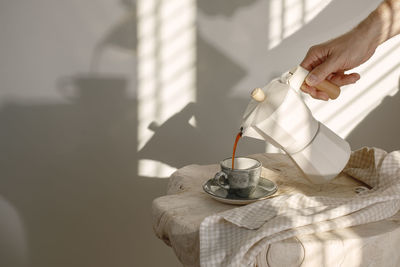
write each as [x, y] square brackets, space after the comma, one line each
[235, 145]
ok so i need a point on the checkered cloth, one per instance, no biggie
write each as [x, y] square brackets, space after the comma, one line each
[235, 237]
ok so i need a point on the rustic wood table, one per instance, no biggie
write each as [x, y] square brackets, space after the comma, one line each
[177, 217]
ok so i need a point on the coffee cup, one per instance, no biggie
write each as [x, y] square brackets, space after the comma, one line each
[243, 179]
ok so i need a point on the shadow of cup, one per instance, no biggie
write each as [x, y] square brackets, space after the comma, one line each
[93, 88]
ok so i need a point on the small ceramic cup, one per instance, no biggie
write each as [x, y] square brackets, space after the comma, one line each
[243, 179]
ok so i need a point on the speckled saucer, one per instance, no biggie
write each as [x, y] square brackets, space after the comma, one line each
[265, 188]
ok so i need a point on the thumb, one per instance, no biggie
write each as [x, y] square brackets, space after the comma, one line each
[320, 72]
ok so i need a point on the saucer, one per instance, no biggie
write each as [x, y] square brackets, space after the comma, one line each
[264, 189]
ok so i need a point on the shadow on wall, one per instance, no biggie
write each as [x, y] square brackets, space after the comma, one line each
[217, 115]
[122, 36]
[69, 170]
[225, 8]
[380, 128]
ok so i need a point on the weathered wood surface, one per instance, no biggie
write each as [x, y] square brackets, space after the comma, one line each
[177, 217]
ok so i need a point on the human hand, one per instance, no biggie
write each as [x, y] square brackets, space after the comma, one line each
[331, 59]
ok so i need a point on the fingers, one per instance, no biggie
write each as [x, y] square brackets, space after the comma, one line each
[315, 93]
[313, 57]
[318, 62]
[341, 79]
[325, 63]
[321, 72]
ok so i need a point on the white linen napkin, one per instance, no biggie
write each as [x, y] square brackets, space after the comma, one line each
[235, 237]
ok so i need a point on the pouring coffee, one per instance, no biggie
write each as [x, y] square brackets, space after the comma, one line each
[277, 114]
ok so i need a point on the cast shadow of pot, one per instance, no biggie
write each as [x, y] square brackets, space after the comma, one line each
[380, 128]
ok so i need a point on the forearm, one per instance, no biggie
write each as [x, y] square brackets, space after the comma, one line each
[382, 24]
[330, 60]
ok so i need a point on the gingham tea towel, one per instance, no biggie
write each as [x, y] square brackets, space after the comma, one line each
[235, 237]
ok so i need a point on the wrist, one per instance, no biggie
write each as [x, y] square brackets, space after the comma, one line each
[369, 31]
[382, 24]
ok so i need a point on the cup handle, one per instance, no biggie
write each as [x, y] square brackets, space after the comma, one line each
[221, 179]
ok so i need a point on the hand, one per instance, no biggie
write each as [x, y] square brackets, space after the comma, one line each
[330, 60]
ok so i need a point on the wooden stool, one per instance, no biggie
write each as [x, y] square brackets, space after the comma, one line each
[177, 217]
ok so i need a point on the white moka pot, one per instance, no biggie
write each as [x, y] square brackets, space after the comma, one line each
[277, 114]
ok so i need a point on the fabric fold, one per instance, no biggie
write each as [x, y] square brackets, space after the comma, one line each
[235, 237]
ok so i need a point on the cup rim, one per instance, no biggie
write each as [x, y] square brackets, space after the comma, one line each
[259, 164]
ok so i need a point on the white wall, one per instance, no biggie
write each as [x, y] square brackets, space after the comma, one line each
[101, 99]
